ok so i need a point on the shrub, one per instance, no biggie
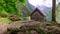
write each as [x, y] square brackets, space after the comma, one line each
[5, 20]
[3, 13]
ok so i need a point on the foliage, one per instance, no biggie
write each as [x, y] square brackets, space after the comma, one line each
[10, 6]
[57, 14]
[3, 13]
[23, 2]
[26, 18]
[14, 31]
[5, 20]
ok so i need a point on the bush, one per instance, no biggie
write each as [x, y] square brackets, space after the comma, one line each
[3, 14]
[5, 20]
[14, 31]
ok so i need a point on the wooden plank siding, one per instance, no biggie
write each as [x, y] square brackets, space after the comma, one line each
[37, 15]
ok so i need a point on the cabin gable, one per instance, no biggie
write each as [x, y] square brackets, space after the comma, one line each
[37, 16]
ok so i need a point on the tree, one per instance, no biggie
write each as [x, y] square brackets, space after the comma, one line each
[53, 10]
[10, 6]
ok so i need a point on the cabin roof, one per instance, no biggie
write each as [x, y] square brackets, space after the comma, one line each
[39, 10]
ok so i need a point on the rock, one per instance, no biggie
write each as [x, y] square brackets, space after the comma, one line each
[3, 27]
[33, 32]
[30, 26]
[13, 17]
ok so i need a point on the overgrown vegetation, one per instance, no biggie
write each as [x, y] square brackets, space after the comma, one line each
[10, 7]
[5, 20]
[10, 12]
[36, 27]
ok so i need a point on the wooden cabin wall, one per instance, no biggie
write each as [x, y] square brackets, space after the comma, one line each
[37, 16]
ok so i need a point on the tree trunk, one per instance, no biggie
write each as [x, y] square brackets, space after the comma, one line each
[53, 10]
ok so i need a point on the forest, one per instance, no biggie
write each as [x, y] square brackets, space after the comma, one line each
[29, 17]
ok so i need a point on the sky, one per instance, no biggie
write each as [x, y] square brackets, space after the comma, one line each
[47, 3]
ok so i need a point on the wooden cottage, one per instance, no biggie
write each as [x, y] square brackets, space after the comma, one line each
[38, 15]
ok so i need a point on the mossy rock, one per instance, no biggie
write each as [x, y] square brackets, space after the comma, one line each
[13, 17]
[41, 28]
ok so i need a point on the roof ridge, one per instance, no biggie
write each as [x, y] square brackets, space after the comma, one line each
[41, 11]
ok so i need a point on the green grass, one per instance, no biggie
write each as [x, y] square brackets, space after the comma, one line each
[5, 20]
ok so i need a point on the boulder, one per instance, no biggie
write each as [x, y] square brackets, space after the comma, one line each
[3, 27]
